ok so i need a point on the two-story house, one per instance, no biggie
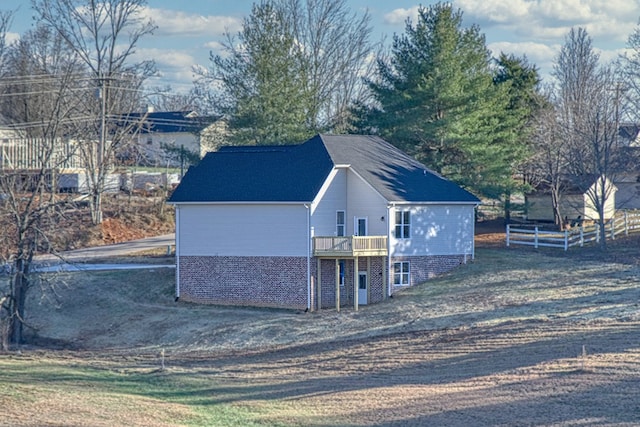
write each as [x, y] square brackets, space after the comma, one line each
[160, 136]
[338, 220]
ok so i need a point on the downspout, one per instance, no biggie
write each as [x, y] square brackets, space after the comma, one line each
[389, 251]
[177, 251]
[308, 257]
[473, 235]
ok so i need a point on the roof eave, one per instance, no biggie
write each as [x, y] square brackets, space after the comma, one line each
[236, 202]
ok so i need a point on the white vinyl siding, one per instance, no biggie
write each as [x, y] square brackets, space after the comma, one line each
[436, 230]
[365, 202]
[346, 191]
[243, 230]
[331, 199]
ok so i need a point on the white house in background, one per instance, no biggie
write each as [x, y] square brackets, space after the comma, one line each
[628, 182]
[576, 202]
[180, 130]
[338, 220]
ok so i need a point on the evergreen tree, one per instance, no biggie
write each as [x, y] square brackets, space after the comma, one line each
[436, 100]
[293, 71]
[264, 97]
[522, 82]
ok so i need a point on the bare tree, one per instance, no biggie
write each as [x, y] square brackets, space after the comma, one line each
[631, 74]
[104, 35]
[337, 55]
[30, 209]
[295, 69]
[33, 68]
[547, 168]
[589, 105]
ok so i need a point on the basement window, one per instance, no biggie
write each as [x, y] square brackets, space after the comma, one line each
[401, 273]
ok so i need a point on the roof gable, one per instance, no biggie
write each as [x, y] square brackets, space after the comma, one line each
[168, 121]
[295, 173]
[395, 175]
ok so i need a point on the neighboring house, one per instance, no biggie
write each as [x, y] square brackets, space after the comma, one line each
[575, 202]
[628, 183]
[298, 226]
[628, 194]
[155, 131]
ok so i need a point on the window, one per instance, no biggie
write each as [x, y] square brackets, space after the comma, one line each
[340, 216]
[401, 273]
[341, 264]
[403, 225]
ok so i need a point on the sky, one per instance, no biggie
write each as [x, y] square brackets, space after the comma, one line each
[189, 30]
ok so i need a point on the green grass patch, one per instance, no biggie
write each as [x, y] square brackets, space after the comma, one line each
[136, 394]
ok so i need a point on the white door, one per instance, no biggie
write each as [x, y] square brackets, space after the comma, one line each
[362, 288]
[360, 226]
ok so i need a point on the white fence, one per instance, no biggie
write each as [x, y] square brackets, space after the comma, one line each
[29, 153]
[625, 222]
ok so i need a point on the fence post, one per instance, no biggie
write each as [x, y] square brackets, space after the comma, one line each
[598, 233]
[508, 230]
[536, 238]
[581, 235]
[626, 224]
[613, 228]
[566, 239]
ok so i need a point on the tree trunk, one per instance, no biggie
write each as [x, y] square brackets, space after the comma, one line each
[20, 284]
[603, 230]
[507, 208]
[555, 203]
[96, 207]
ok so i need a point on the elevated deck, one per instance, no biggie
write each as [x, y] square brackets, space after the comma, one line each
[349, 246]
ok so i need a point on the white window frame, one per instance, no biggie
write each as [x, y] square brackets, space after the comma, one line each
[341, 227]
[403, 224]
[403, 278]
[342, 271]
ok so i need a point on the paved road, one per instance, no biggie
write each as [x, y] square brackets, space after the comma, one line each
[97, 267]
[119, 249]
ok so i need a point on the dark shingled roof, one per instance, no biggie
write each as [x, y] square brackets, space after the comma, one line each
[295, 173]
[168, 121]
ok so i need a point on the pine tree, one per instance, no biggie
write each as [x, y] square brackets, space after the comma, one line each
[437, 100]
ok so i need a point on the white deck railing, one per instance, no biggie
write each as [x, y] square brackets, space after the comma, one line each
[350, 246]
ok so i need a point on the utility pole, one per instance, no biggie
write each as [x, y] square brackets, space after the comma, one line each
[99, 169]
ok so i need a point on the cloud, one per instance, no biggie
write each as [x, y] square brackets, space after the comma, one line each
[540, 54]
[174, 22]
[552, 19]
[12, 37]
[399, 16]
[166, 58]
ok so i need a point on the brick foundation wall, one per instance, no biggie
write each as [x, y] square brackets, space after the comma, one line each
[423, 268]
[328, 292]
[377, 289]
[251, 281]
[282, 281]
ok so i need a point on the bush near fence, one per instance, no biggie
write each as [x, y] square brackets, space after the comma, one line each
[536, 235]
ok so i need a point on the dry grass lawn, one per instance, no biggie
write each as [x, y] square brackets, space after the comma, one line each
[518, 337]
